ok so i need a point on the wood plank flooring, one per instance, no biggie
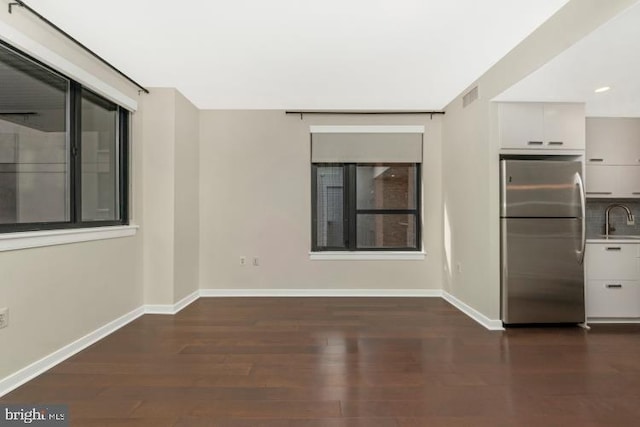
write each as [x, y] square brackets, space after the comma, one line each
[375, 362]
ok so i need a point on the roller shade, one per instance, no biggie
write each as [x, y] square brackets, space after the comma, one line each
[356, 147]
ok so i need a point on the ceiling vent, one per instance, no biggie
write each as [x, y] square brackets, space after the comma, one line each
[470, 96]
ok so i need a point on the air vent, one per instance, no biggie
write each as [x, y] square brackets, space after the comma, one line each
[470, 96]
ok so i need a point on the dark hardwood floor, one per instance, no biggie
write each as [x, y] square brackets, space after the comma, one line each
[374, 362]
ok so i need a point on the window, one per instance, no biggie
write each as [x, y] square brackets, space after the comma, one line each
[359, 202]
[63, 148]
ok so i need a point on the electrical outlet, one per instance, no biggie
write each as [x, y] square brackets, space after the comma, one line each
[256, 261]
[4, 317]
[243, 261]
[459, 267]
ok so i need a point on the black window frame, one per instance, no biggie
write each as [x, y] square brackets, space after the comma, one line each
[351, 211]
[74, 122]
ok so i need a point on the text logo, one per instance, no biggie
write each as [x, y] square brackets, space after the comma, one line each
[34, 415]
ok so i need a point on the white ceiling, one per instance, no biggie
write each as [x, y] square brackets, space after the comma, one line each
[312, 54]
[609, 56]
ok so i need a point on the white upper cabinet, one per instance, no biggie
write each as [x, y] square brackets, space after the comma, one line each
[613, 157]
[602, 181]
[613, 141]
[536, 125]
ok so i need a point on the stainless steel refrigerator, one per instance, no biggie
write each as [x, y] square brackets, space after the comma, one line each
[542, 241]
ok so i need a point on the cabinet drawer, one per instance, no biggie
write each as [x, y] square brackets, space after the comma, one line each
[612, 261]
[613, 298]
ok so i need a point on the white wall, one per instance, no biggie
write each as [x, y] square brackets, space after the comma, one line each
[170, 198]
[255, 201]
[158, 197]
[58, 294]
[187, 198]
[470, 155]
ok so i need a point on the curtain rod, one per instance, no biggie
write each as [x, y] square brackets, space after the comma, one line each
[67, 35]
[354, 112]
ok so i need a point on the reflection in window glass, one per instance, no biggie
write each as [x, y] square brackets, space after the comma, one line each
[99, 159]
[34, 164]
[386, 186]
[386, 231]
[330, 206]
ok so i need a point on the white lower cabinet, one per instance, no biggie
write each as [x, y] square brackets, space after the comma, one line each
[613, 280]
[613, 298]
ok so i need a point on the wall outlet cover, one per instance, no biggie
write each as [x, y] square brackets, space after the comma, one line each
[4, 317]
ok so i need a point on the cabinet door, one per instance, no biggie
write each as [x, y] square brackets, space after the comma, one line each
[628, 181]
[613, 298]
[613, 141]
[521, 125]
[564, 126]
[601, 180]
[612, 261]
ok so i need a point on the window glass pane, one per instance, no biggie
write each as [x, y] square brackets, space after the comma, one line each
[330, 206]
[386, 231]
[100, 155]
[34, 161]
[386, 186]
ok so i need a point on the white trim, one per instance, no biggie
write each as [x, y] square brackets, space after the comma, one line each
[490, 324]
[366, 129]
[31, 47]
[16, 379]
[366, 256]
[612, 320]
[36, 239]
[172, 308]
[578, 152]
[617, 240]
[420, 293]
[27, 373]
[192, 297]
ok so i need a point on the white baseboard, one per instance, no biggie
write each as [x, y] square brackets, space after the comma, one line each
[603, 321]
[172, 308]
[16, 379]
[27, 373]
[218, 293]
[491, 324]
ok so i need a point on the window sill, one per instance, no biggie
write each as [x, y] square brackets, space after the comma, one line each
[367, 256]
[36, 239]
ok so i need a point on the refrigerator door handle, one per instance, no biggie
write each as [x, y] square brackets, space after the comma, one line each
[583, 203]
[503, 188]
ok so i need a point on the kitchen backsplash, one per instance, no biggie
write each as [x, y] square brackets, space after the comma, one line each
[617, 217]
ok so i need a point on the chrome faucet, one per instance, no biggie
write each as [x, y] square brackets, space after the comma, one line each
[607, 225]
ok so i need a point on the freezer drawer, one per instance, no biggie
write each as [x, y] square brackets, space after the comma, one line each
[542, 278]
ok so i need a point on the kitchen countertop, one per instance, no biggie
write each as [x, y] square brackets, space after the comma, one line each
[615, 239]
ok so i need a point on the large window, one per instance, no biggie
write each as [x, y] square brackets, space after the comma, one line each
[361, 206]
[62, 150]
[366, 189]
